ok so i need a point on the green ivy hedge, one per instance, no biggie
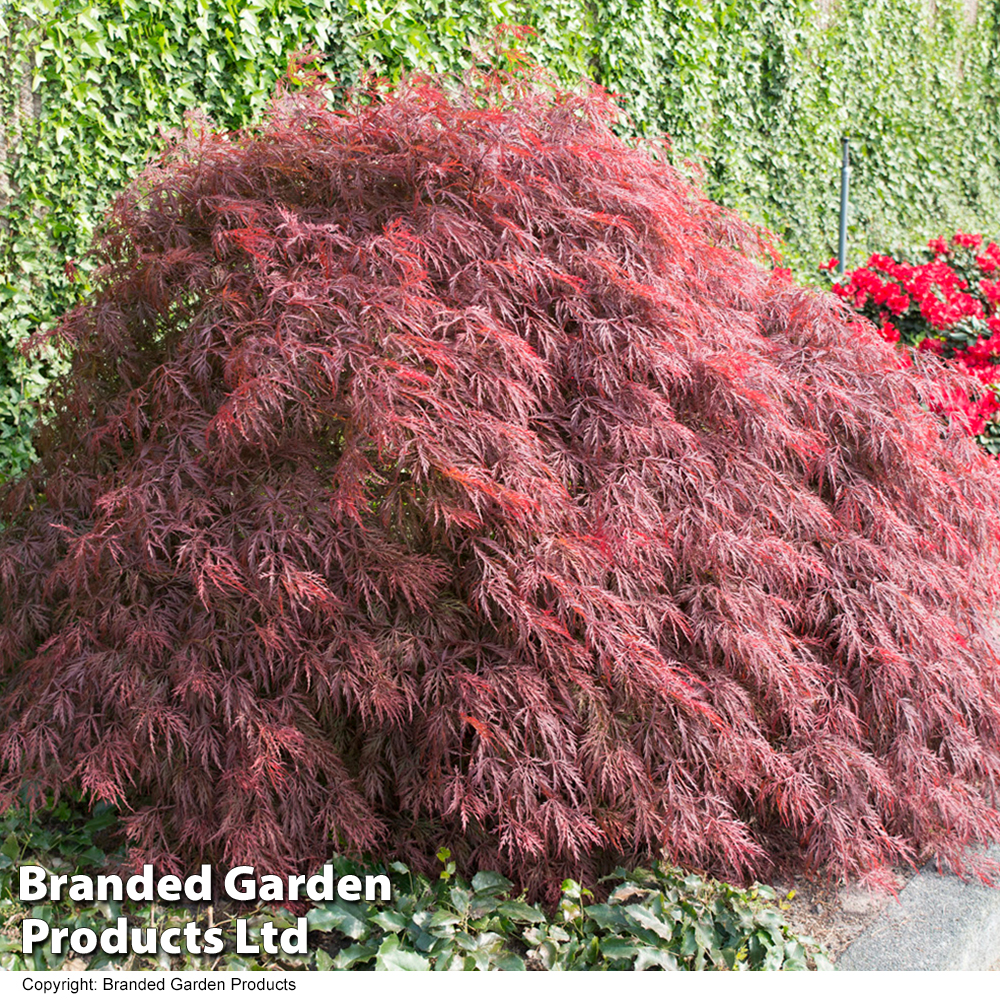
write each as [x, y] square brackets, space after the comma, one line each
[757, 92]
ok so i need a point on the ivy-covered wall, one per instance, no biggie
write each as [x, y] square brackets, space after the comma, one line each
[756, 91]
[764, 90]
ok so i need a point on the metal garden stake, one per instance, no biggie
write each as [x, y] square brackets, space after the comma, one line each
[845, 180]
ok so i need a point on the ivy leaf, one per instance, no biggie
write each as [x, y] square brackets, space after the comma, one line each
[335, 916]
[354, 954]
[492, 882]
[394, 957]
[521, 912]
[391, 921]
[649, 958]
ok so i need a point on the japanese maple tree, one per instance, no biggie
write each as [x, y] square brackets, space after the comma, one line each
[445, 470]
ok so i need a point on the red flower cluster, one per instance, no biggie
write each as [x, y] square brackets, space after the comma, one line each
[940, 294]
[864, 283]
[974, 413]
[936, 305]
[970, 240]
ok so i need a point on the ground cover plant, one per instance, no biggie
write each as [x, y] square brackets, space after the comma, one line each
[947, 304]
[659, 918]
[447, 471]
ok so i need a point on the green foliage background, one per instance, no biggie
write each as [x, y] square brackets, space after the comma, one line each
[757, 92]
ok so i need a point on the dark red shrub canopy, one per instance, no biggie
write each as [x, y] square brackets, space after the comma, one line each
[446, 472]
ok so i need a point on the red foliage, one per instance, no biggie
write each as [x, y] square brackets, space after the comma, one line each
[444, 471]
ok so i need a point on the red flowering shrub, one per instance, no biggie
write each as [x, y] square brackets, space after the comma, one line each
[444, 472]
[947, 305]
